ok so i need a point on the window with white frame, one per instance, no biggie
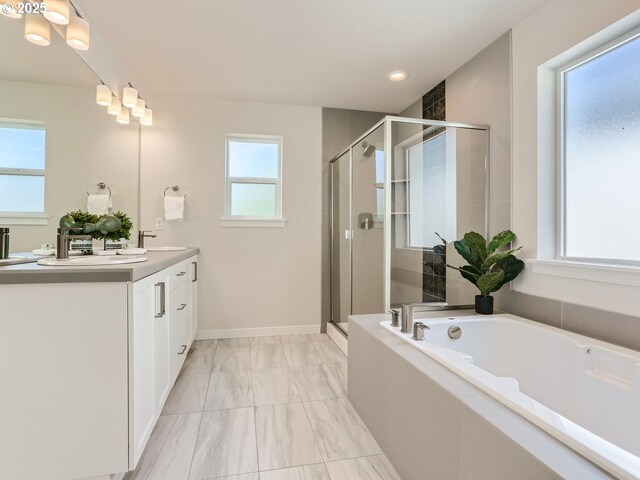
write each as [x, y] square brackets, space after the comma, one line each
[22, 168]
[254, 177]
[599, 151]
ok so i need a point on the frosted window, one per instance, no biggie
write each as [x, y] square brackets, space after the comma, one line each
[21, 148]
[21, 193]
[253, 199]
[252, 159]
[602, 156]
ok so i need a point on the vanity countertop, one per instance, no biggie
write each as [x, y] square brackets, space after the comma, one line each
[131, 272]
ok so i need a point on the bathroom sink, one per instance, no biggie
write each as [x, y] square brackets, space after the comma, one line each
[91, 261]
[165, 249]
[11, 260]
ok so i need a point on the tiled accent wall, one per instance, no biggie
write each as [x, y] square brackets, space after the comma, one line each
[434, 273]
[434, 104]
[623, 330]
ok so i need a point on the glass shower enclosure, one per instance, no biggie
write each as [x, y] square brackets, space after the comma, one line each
[400, 195]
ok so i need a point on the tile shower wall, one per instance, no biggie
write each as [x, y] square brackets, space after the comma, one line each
[434, 271]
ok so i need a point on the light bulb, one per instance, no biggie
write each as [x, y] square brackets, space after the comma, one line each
[139, 109]
[37, 30]
[103, 95]
[123, 118]
[397, 76]
[12, 10]
[115, 108]
[57, 11]
[78, 33]
[148, 117]
[129, 97]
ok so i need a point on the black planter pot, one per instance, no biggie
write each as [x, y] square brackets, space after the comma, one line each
[484, 305]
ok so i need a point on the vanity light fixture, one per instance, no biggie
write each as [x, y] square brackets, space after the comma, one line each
[397, 75]
[103, 95]
[130, 97]
[148, 117]
[57, 11]
[37, 30]
[123, 118]
[78, 33]
[115, 108]
[13, 13]
[139, 110]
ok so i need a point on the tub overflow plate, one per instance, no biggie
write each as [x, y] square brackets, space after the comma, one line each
[455, 332]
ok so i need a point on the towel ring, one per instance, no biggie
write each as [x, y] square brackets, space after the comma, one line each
[175, 188]
[102, 186]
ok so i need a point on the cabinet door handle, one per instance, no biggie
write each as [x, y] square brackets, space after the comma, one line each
[181, 274]
[195, 271]
[161, 303]
[184, 348]
[182, 306]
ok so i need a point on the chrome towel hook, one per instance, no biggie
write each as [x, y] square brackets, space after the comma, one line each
[175, 188]
[102, 186]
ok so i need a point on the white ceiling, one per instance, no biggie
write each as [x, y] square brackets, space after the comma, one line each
[333, 53]
[57, 64]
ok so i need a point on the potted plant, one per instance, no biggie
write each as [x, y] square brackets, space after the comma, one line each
[114, 240]
[82, 217]
[112, 237]
[490, 266]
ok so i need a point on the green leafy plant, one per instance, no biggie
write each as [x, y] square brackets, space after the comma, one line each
[125, 232]
[489, 266]
[82, 217]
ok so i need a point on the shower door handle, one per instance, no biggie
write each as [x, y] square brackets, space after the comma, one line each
[348, 234]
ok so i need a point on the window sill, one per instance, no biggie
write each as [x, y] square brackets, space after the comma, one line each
[10, 218]
[595, 272]
[254, 222]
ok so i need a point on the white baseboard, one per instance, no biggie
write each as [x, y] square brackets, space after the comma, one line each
[338, 337]
[256, 332]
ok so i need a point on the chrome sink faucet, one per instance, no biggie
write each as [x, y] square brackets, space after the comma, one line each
[62, 244]
[142, 234]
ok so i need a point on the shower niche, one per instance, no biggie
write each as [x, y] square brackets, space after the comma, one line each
[400, 195]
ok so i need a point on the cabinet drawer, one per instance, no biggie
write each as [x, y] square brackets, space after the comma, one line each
[179, 274]
[180, 328]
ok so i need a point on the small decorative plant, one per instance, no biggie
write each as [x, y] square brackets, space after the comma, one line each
[111, 231]
[490, 265]
[124, 232]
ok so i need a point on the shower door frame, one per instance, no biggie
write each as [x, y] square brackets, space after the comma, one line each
[388, 122]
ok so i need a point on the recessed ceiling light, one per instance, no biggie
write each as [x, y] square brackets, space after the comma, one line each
[397, 76]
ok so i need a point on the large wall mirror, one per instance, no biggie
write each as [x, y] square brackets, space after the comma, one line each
[56, 143]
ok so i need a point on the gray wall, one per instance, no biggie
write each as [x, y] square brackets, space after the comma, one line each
[249, 277]
[480, 92]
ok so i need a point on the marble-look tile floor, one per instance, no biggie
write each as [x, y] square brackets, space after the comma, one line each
[264, 408]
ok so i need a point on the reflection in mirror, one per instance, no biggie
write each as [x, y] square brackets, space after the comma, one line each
[56, 144]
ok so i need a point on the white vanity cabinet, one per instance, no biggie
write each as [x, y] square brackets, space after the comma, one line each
[88, 357]
[161, 333]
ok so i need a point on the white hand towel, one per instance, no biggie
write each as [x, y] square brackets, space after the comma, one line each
[98, 204]
[173, 208]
